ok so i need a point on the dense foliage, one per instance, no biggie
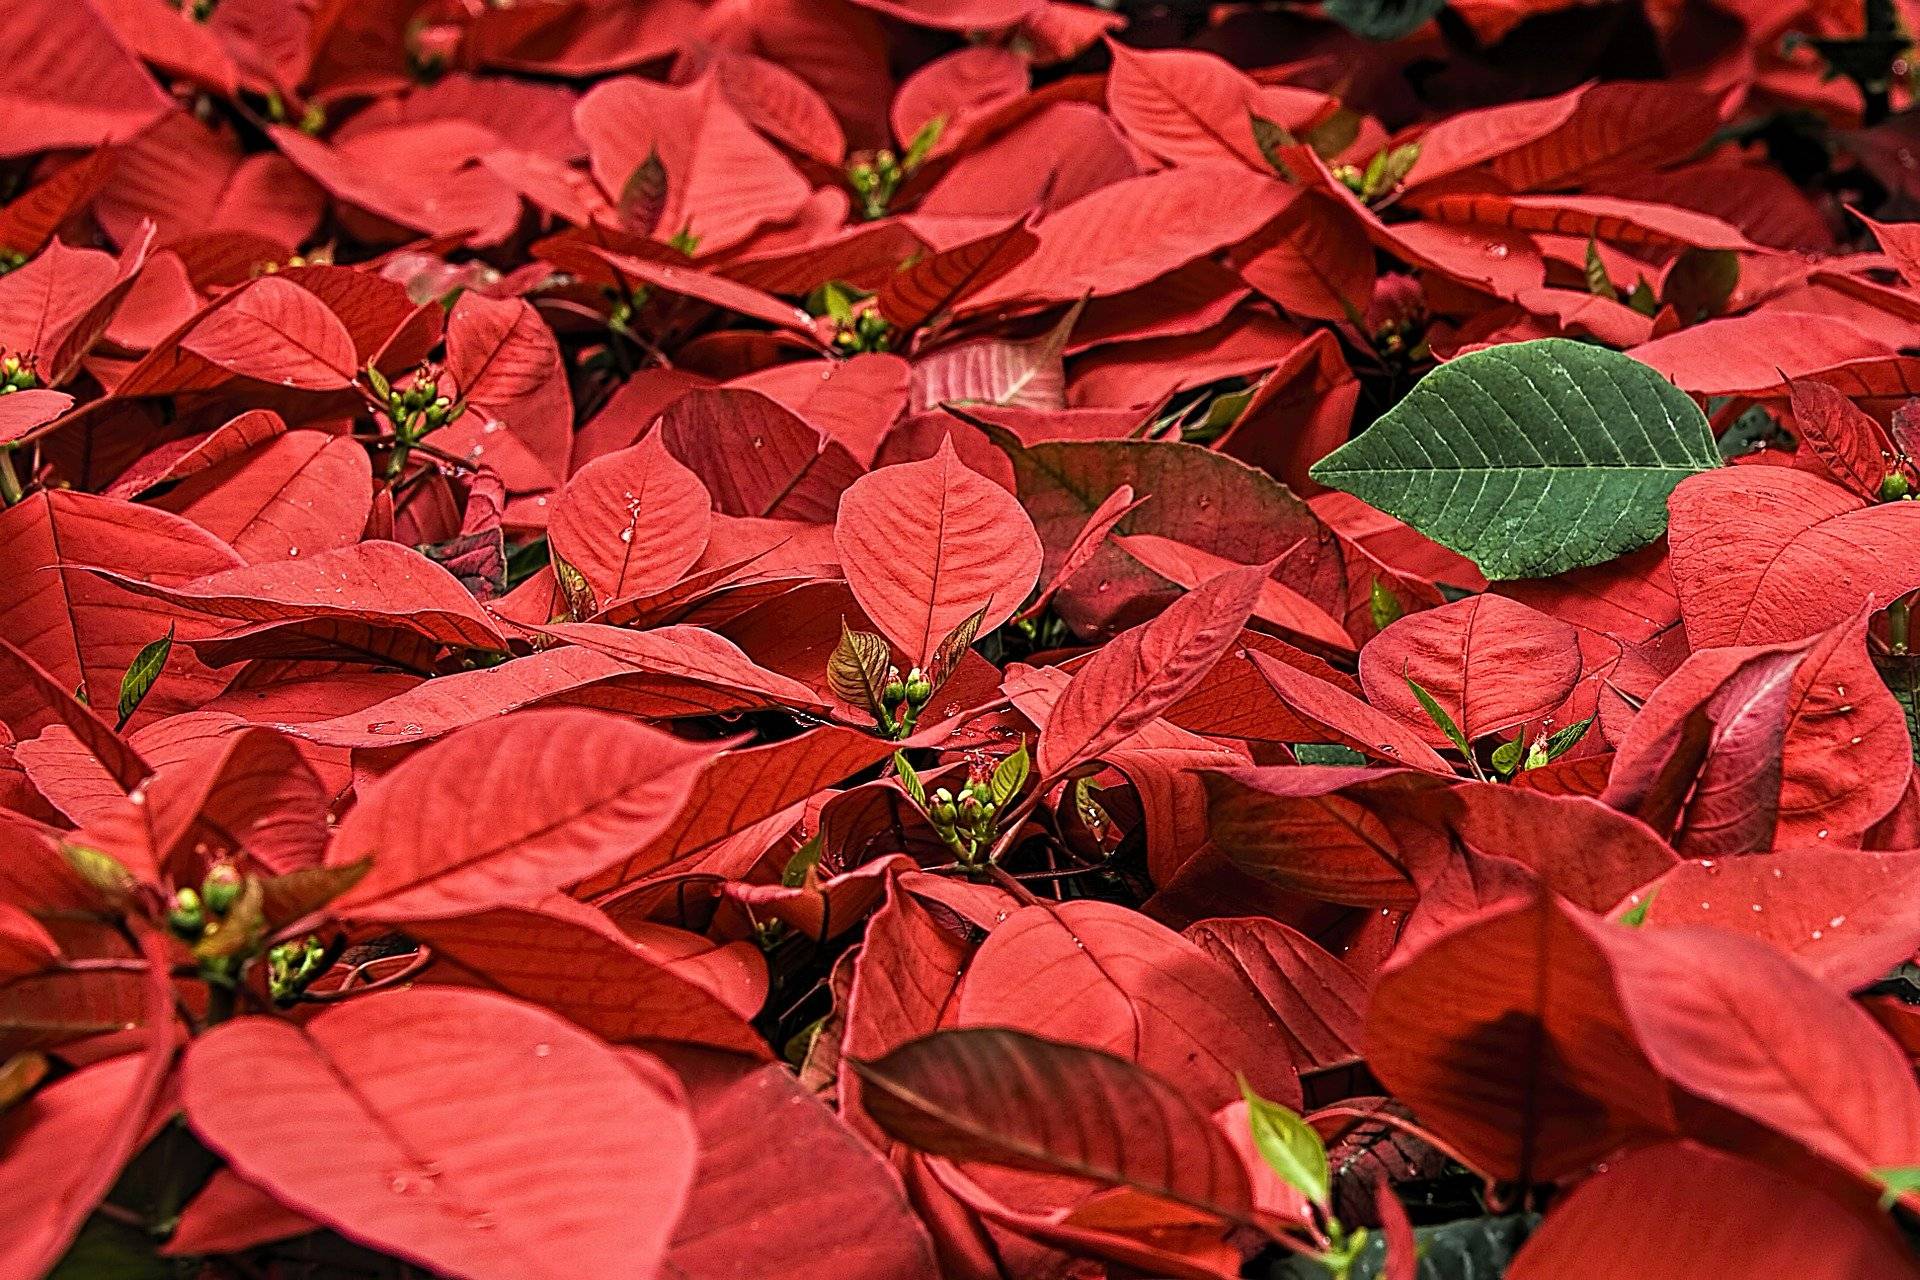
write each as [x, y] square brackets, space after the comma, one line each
[991, 639]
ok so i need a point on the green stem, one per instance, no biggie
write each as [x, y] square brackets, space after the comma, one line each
[10, 492]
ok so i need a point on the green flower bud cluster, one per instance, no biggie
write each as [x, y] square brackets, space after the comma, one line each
[194, 911]
[417, 410]
[16, 375]
[292, 967]
[875, 181]
[11, 260]
[866, 331]
[1895, 487]
[903, 697]
[966, 822]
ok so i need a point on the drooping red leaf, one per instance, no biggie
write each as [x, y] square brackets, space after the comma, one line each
[756, 457]
[277, 332]
[977, 1094]
[1315, 998]
[71, 84]
[1144, 671]
[498, 814]
[413, 1120]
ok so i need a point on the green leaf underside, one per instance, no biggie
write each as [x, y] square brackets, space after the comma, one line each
[1530, 459]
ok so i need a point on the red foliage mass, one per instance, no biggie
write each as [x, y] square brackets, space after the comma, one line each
[692, 638]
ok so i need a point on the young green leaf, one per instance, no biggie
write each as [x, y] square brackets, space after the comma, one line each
[1564, 740]
[1507, 758]
[1636, 915]
[923, 143]
[1290, 1147]
[1438, 714]
[1531, 458]
[804, 859]
[910, 781]
[1009, 776]
[1384, 606]
[1599, 283]
[141, 673]
[1897, 1181]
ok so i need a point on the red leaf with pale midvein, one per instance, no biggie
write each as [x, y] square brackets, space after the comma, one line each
[1847, 915]
[298, 494]
[1277, 603]
[1105, 976]
[769, 1151]
[277, 332]
[1142, 672]
[470, 1133]
[83, 632]
[502, 813]
[739, 788]
[1005, 1097]
[573, 960]
[1185, 106]
[925, 545]
[940, 281]
[65, 1145]
[31, 701]
[631, 521]
[1346, 719]
[1732, 1020]
[1767, 554]
[1316, 999]
[498, 351]
[1680, 1211]
[1851, 445]
[378, 584]
[1491, 663]
[692, 653]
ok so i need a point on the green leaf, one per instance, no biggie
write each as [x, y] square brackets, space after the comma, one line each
[1290, 1147]
[1636, 915]
[1009, 776]
[1506, 758]
[804, 859]
[1384, 605]
[910, 781]
[1563, 740]
[1599, 283]
[1383, 19]
[857, 670]
[1531, 458]
[1331, 753]
[1271, 138]
[1898, 1181]
[1438, 714]
[141, 673]
[923, 143]
[1642, 298]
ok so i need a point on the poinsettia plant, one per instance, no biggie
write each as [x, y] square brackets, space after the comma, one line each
[990, 639]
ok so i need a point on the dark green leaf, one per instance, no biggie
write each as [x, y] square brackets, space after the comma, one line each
[1470, 1249]
[1383, 19]
[1531, 458]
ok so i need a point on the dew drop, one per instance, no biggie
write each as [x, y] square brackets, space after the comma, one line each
[1816, 935]
[542, 1050]
[292, 551]
[1821, 834]
[1495, 249]
[1756, 907]
[1854, 741]
[1836, 922]
[759, 443]
[626, 535]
